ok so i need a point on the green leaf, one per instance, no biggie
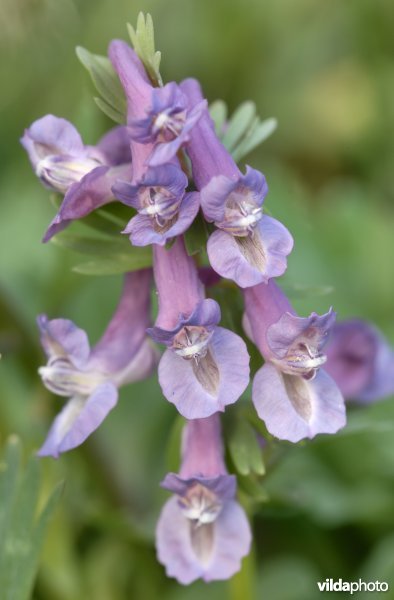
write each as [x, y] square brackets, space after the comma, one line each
[238, 124]
[218, 111]
[243, 131]
[257, 134]
[105, 222]
[244, 449]
[110, 111]
[31, 563]
[143, 40]
[106, 82]
[196, 236]
[115, 265]
[22, 533]
[112, 255]
[94, 245]
[252, 488]
[9, 467]
[173, 452]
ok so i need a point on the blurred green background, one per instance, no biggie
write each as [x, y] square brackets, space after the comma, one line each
[325, 70]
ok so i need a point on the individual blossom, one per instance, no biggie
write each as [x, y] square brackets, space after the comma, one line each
[84, 174]
[90, 377]
[361, 361]
[158, 116]
[291, 393]
[205, 367]
[247, 246]
[202, 532]
[165, 210]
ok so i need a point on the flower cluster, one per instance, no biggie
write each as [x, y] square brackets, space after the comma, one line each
[168, 165]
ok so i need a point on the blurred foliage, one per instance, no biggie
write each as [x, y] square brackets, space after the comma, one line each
[325, 72]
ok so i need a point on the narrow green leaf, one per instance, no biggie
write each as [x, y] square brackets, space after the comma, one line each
[115, 265]
[106, 82]
[242, 585]
[218, 112]
[108, 110]
[30, 565]
[94, 246]
[18, 544]
[196, 236]
[143, 40]
[22, 534]
[252, 488]
[256, 135]
[9, 468]
[105, 222]
[244, 449]
[239, 124]
[112, 255]
[174, 444]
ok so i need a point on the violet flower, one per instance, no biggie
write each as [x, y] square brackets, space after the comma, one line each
[294, 397]
[164, 210]
[90, 377]
[157, 192]
[158, 116]
[360, 361]
[248, 246]
[202, 532]
[84, 174]
[205, 367]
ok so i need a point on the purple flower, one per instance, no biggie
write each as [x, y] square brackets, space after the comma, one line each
[90, 377]
[294, 397]
[164, 210]
[84, 174]
[205, 367]
[248, 246]
[202, 532]
[159, 117]
[157, 192]
[360, 361]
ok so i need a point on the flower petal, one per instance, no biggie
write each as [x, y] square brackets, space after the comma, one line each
[133, 78]
[232, 542]
[291, 329]
[206, 314]
[143, 233]
[78, 419]
[94, 190]
[224, 486]
[164, 153]
[217, 552]
[207, 154]
[215, 194]
[199, 397]
[140, 366]
[177, 283]
[51, 135]
[62, 338]
[360, 361]
[127, 329]
[115, 146]
[293, 408]
[251, 260]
